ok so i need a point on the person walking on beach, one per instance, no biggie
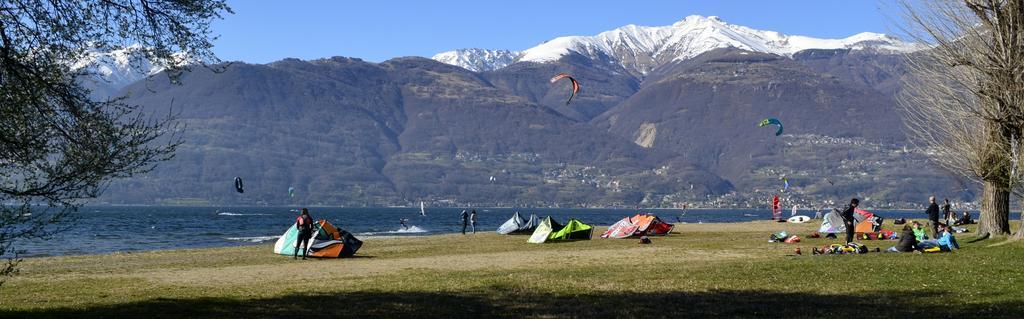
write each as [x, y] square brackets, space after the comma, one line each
[472, 220]
[465, 221]
[305, 225]
[848, 220]
[933, 216]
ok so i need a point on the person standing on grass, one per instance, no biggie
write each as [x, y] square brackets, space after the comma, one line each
[472, 220]
[848, 220]
[305, 226]
[947, 214]
[933, 216]
[465, 221]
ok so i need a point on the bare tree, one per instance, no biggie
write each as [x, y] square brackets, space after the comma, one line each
[58, 146]
[964, 100]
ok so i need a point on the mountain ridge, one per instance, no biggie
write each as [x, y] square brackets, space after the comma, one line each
[478, 60]
[343, 131]
[640, 49]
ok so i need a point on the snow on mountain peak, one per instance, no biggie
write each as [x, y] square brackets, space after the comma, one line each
[640, 49]
[478, 60]
[117, 68]
[106, 72]
[696, 18]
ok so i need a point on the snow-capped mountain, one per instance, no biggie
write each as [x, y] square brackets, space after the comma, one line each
[640, 49]
[118, 68]
[478, 60]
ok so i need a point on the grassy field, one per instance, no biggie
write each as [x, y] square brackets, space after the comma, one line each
[703, 270]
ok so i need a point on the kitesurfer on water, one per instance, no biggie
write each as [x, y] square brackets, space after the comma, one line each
[305, 226]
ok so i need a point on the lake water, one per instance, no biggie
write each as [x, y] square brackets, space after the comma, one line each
[112, 229]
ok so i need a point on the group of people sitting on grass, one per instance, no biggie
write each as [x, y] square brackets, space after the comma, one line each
[913, 238]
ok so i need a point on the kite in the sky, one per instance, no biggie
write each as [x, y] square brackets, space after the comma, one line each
[238, 185]
[772, 121]
[575, 85]
[291, 191]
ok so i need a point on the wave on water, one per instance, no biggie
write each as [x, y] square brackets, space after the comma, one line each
[749, 215]
[257, 239]
[239, 214]
[410, 230]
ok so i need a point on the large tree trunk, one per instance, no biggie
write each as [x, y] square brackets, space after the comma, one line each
[995, 210]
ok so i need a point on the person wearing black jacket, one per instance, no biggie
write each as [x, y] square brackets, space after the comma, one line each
[933, 216]
[465, 220]
[848, 220]
[946, 212]
[908, 242]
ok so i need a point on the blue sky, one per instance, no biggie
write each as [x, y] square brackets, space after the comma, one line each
[263, 31]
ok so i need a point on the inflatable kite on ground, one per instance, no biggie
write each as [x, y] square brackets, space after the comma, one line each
[549, 230]
[832, 223]
[238, 185]
[575, 85]
[327, 242]
[772, 121]
[638, 225]
[516, 225]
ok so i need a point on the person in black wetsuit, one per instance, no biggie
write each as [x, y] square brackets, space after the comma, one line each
[465, 221]
[933, 216]
[848, 220]
[947, 213]
[305, 225]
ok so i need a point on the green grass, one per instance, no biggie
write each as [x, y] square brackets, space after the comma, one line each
[709, 270]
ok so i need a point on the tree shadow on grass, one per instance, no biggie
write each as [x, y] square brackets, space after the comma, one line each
[511, 303]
